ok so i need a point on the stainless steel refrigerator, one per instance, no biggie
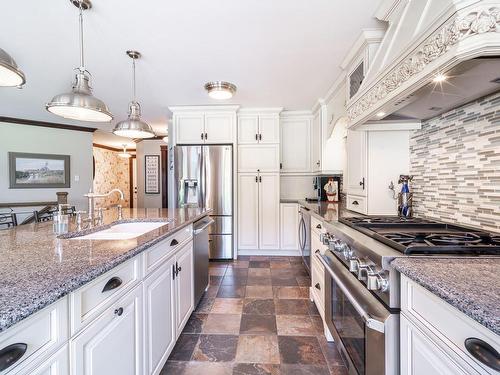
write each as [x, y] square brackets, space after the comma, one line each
[203, 177]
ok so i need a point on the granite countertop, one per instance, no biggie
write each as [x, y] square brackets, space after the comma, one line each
[472, 285]
[37, 268]
[329, 212]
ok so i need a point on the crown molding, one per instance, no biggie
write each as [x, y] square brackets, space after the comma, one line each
[44, 124]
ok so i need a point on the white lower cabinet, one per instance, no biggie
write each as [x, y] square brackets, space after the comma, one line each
[258, 211]
[159, 316]
[57, 364]
[289, 226]
[184, 286]
[422, 356]
[112, 344]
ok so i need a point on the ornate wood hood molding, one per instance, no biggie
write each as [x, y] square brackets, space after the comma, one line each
[433, 54]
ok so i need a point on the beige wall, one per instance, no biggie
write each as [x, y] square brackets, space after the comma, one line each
[35, 139]
[111, 171]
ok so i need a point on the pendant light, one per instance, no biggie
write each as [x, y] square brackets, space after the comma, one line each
[220, 90]
[133, 126]
[124, 154]
[10, 74]
[80, 104]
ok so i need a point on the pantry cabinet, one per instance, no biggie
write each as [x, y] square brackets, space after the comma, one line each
[258, 158]
[204, 124]
[258, 211]
[259, 126]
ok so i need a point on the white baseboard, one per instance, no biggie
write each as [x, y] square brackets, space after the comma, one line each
[278, 252]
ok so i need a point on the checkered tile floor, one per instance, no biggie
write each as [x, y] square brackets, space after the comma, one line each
[255, 319]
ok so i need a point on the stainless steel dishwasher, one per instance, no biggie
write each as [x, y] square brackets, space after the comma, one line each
[201, 249]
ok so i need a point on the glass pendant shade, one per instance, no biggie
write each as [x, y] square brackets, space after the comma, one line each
[10, 74]
[220, 90]
[80, 104]
[133, 126]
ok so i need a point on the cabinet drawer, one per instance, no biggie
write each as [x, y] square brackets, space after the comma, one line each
[157, 254]
[356, 203]
[445, 322]
[90, 300]
[317, 226]
[316, 244]
[38, 336]
[56, 364]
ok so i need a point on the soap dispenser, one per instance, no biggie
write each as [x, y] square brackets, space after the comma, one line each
[61, 220]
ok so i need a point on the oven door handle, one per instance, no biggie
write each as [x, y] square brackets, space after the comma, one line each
[370, 321]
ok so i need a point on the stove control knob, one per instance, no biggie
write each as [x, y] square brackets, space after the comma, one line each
[348, 253]
[353, 264]
[363, 269]
[377, 281]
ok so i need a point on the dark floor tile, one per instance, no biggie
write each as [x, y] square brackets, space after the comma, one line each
[299, 270]
[259, 280]
[313, 310]
[331, 352]
[205, 305]
[173, 367]
[212, 291]
[284, 281]
[183, 349]
[259, 272]
[243, 257]
[255, 369]
[295, 325]
[303, 280]
[232, 271]
[338, 370]
[234, 280]
[260, 258]
[303, 370]
[216, 348]
[258, 306]
[231, 291]
[215, 280]
[217, 264]
[258, 324]
[280, 264]
[318, 325]
[259, 264]
[291, 307]
[296, 260]
[195, 323]
[303, 350]
[277, 258]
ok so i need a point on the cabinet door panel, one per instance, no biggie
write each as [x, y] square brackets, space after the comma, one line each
[289, 224]
[255, 158]
[159, 302]
[296, 145]
[269, 129]
[248, 129]
[421, 356]
[189, 128]
[248, 211]
[316, 143]
[112, 344]
[356, 162]
[269, 211]
[57, 364]
[184, 285]
[219, 127]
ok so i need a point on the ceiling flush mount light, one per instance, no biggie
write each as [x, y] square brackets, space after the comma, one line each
[80, 104]
[124, 154]
[133, 126]
[439, 78]
[10, 74]
[380, 114]
[220, 90]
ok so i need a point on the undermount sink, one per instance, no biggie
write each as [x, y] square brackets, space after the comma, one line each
[125, 231]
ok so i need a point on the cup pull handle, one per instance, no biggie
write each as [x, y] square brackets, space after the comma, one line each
[317, 286]
[174, 242]
[483, 352]
[112, 283]
[11, 354]
[355, 203]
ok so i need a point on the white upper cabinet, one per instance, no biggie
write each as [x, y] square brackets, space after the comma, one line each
[259, 126]
[204, 124]
[356, 163]
[296, 143]
[258, 158]
[316, 142]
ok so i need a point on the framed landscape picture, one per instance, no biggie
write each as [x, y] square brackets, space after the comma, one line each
[38, 171]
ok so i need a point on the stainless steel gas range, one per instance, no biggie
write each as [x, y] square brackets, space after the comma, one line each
[362, 297]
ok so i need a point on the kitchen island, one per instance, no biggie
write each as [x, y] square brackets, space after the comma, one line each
[61, 294]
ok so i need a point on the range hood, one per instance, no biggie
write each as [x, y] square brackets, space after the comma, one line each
[457, 39]
[468, 81]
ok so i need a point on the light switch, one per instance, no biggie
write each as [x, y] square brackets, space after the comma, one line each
[77, 178]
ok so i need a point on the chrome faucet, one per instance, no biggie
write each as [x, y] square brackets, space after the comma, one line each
[92, 217]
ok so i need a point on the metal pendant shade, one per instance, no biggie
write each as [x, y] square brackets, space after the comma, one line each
[80, 104]
[10, 74]
[133, 126]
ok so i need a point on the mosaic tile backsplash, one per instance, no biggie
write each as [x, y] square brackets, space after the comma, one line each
[455, 160]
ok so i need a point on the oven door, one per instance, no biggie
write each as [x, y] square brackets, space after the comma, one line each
[365, 331]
